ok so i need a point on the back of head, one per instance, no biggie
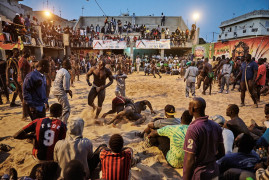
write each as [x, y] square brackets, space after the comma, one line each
[186, 118]
[197, 105]
[66, 64]
[74, 171]
[56, 110]
[75, 127]
[245, 144]
[248, 57]
[218, 119]
[232, 109]
[170, 110]
[43, 63]
[116, 143]
[46, 170]
[223, 57]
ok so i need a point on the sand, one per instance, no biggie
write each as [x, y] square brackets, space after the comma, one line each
[160, 92]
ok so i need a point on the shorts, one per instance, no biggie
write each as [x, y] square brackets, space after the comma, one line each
[93, 94]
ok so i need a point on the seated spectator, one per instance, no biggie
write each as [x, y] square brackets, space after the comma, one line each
[228, 137]
[75, 147]
[74, 170]
[244, 159]
[116, 155]
[172, 146]
[44, 171]
[46, 132]
[162, 122]
[236, 124]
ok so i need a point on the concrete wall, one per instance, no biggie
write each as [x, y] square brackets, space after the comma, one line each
[10, 9]
[248, 26]
[172, 22]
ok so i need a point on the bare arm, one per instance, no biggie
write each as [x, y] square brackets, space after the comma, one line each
[221, 151]
[111, 80]
[153, 133]
[21, 134]
[189, 162]
[89, 73]
[150, 106]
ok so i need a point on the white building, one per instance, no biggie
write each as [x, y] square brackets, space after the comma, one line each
[252, 24]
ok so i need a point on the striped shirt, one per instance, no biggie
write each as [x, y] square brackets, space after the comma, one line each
[115, 166]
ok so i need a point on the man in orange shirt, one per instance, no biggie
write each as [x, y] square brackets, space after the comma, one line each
[261, 77]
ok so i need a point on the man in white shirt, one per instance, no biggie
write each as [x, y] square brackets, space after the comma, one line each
[190, 77]
[225, 76]
[138, 63]
[61, 87]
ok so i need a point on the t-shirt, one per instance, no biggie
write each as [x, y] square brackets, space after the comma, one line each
[165, 122]
[239, 160]
[48, 132]
[176, 134]
[251, 67]
[228, 139]
[261, 71]
[115, 165]
[118, 100]
[25, 66]
[202, 139]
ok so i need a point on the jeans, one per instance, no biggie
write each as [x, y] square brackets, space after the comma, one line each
[190, 86]
[63, 100]
[225, 80]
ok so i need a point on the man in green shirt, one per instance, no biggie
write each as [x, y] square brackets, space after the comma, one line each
[172, 149]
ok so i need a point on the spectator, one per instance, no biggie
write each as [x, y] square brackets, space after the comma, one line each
[172, 146]
[74, 170]
[225, 76]
[261, 77]
[61, 87]
[244, 159]
[116, 155]
[45, 171]
[34, 90]
[75, 147]
[228, 137]
[203, 144]
[46, 132]
[236, 124]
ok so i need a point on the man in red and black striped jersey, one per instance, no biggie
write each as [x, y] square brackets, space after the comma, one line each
[46, 132]
[116, 161]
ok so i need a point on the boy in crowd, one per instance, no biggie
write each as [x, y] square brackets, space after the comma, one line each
[46, 132]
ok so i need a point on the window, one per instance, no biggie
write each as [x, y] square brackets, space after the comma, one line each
[254, 30]
[267, 24]
[244, 31]
[230, 30]
[225, 35]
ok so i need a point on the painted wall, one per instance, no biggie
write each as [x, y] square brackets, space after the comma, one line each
[203, 50]
[258, 47]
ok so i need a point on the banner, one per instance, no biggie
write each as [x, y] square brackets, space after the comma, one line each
[258, 47]
[153, 44]
[206, 50]
[10, 46]
[109, 44]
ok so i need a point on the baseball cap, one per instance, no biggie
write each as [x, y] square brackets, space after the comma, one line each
[170, 109]
[218, 119]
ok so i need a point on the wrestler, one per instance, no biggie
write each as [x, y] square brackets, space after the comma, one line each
[100, 74]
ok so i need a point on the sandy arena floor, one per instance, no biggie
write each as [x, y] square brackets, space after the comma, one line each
[160, 92]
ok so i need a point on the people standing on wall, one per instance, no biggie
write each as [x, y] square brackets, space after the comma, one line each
[162, 19]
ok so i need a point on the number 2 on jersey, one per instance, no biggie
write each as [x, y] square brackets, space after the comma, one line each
[49, 137]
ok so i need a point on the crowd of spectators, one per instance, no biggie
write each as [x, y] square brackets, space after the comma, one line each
[26, 28]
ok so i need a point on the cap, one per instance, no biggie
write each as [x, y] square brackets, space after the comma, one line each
[218, 119]
[170, 110]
